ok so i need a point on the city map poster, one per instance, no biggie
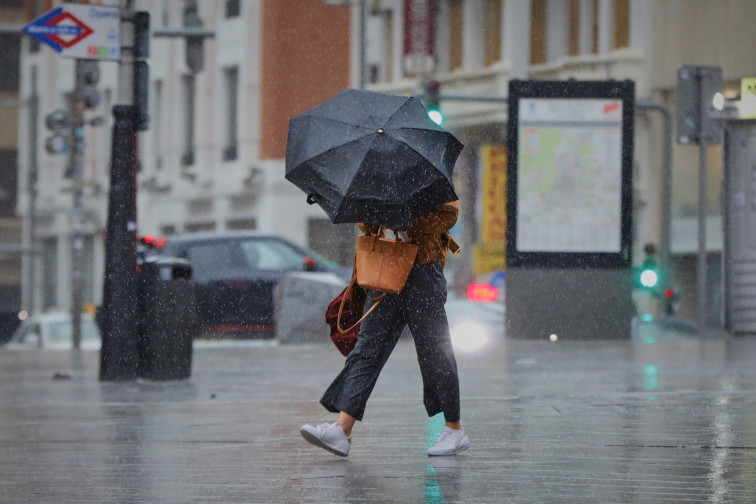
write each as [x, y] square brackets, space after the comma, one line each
[569, 184]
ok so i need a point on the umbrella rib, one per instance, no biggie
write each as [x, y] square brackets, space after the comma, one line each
[352, 182]
[422, 156]
[339, 121]
[397, 111]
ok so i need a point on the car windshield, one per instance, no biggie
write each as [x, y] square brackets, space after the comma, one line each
[63, 331]
[271, 255]
[223, 259]
[212, 260]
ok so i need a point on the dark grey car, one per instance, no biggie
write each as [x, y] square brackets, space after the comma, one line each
[235, 274]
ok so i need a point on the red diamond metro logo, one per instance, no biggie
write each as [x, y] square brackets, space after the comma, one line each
[85, 30]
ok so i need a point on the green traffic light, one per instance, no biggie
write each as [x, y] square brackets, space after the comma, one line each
[435, 116]
[649, 278]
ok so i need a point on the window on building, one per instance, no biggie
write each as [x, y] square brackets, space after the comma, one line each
[167, 229]
[199, 227]
[241, 224]
[594, 26]
[573, 47]
[189, 95]
[538, 32]
[231, 92]
[456, 27]
[9, 61]
[233, 8]
[380, 46]
[492, 31]
[621, 23]
[157, 121]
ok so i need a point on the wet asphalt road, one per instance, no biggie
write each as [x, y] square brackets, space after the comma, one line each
[664, 418]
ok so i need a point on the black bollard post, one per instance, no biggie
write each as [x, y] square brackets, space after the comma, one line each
[118, 320]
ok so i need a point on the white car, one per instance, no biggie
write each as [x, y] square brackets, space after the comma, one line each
[54, 331]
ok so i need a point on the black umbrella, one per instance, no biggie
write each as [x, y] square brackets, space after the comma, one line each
[371, 157]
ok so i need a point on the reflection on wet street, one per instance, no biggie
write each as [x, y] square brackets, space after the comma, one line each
[661, 418]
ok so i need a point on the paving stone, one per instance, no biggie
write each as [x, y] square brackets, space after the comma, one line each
[662, 419]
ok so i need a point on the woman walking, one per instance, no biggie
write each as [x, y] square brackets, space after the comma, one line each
[420, 305]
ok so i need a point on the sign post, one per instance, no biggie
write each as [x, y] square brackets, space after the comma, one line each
[82, 32]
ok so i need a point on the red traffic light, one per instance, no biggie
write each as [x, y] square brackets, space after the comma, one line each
[669, 293]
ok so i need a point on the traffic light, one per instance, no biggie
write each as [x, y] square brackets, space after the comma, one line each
[432, 101]
[141, 69]
[671, 296]
[87, 77]
[648, 274]
[690, 100]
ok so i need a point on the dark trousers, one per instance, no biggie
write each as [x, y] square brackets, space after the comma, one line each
[421, 306]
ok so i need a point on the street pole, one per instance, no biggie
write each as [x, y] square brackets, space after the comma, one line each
[31, 181]
[77, 172]
[704, 103]
[119, 355]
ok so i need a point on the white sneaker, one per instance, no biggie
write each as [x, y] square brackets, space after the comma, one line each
[450, 442]
[330, 437]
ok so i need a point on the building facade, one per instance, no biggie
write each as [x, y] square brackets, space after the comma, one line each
[481, 45]
[213, 157]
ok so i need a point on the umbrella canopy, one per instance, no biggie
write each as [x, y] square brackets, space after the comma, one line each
[371, 157]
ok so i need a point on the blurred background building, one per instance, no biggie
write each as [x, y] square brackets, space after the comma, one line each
[213, 157]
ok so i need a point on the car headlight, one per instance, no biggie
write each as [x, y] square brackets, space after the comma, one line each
[469, 336]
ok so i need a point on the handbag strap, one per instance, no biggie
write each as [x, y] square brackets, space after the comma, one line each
[378, 234]
[377, 301]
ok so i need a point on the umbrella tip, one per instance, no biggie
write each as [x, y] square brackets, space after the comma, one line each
[380, 130]
[312, 199]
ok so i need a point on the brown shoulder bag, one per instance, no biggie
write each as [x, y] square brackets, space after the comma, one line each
[383, 265]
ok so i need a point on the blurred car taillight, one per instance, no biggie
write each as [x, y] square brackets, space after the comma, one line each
[482, 293]
[310, 264]
[156, 242]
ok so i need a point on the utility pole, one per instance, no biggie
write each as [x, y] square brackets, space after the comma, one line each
[30, 304]
[119, 355]
[85, 96]
[704, 103]
[76, 168]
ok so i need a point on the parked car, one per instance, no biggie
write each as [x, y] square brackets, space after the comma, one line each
[54, 331]
[235, 274]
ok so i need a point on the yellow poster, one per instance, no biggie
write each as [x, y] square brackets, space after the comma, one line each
[494, 189]
[748, 98]
[489, 254]
[488, 257]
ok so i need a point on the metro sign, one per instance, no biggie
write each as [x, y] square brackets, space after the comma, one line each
[79, 31]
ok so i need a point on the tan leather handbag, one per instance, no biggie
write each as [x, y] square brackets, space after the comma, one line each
[383, 265]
